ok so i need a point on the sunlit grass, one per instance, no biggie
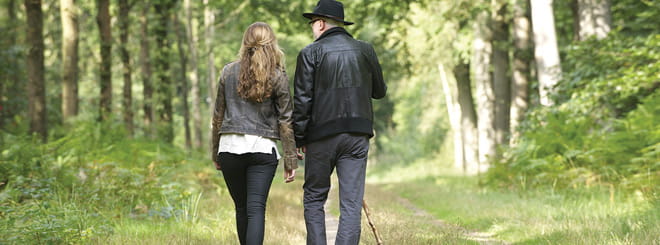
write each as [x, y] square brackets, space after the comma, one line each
[582, 216]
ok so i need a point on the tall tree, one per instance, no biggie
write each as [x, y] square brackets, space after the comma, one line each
[595, 18]
[105, 31]
[501, 81]
[145, 67]
[546, 52]
[575, 12]
[9, 80]
[127, 102]
[194, 76]
[209, 21]
[521, 59]
[35, 69]
[182, 86]
[164, 84]
[468, 120]
[454, 112]
[481, 56]
[69, 15]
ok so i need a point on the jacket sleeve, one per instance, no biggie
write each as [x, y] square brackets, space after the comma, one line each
[218, 116]
[284, 107]
[379, 89]
[303, 96]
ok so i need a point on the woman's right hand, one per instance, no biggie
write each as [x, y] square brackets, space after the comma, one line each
[217, 165]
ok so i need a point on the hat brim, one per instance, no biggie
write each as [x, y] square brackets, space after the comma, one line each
[311, 15]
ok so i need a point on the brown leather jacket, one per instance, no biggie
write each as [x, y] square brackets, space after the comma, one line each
[270, 119]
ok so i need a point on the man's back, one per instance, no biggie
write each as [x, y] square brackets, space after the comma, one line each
[341, 75]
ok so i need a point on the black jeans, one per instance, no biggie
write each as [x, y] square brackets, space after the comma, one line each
[248, 178]
[348, 154]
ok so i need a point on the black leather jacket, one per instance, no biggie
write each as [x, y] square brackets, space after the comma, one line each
[336, 77]
[270, 119]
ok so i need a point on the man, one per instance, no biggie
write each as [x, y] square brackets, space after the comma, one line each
[336, 77]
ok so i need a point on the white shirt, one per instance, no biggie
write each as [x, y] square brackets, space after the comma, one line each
[246, 143]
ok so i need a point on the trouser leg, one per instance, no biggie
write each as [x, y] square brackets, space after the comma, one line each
[318, 168]
[259, 178]
[351, 170]
[234, 173]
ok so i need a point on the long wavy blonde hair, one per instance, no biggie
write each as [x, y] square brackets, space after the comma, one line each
[260, 57]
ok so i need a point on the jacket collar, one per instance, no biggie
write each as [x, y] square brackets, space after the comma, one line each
[334, 31]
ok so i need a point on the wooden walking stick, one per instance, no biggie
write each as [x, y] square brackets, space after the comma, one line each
[371, 223]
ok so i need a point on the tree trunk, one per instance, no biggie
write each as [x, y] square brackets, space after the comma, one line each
[468, 120]
[521, 60]
[10, 81]
[164, 85]
[603, 17]
[69, 14]
[485, 92]
[454, 112]
[576, 20]
[35, 69]
[545, 52]
[103, 21]
[595, 18]
[183, 86]
[209, 20]
[501, 80]
[145, 64]
[194, 76]
[127, 103]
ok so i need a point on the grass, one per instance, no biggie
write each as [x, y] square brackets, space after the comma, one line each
[105, 189]
[540, 216]
[215, 222]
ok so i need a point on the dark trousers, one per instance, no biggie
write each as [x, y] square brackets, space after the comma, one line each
[248, 178]
[347, 153]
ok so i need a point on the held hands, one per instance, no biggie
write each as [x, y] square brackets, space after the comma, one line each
[300, 151]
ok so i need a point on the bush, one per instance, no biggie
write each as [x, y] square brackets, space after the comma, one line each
[604, 129]
[70, 189]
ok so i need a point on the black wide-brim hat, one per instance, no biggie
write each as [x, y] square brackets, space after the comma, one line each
[329, 9]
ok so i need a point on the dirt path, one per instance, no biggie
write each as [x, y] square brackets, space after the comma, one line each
[480, 237]
[398, 220]
[385, 205]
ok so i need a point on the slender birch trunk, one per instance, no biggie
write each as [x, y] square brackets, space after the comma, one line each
[194, 76]
[546, 52]
[468, 125]
[209, 20]
[69, 16]
[482, 51]
[454, 112]
[521, 59]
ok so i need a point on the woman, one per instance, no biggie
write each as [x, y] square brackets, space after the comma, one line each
[253, 109]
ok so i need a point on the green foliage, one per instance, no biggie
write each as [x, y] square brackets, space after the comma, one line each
[71, 189]
[605, 127]
[610, 76]
[636, 16]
